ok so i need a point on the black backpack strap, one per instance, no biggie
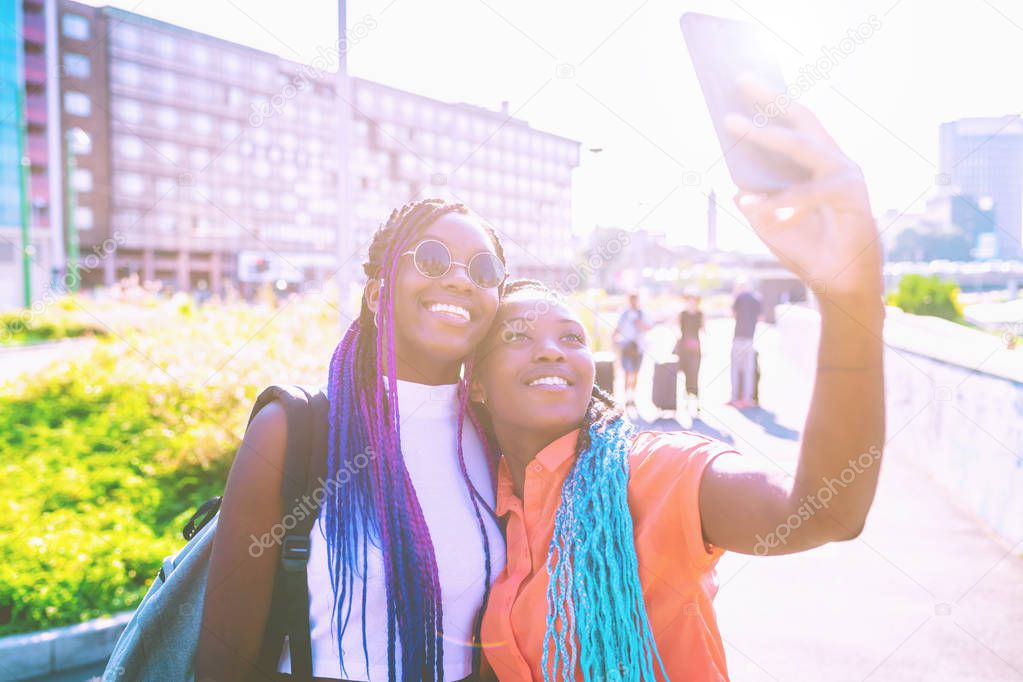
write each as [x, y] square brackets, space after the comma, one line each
[306, 411]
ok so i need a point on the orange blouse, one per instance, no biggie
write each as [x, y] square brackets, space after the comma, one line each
[676, 567]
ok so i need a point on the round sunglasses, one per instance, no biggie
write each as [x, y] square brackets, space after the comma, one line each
[433, 260]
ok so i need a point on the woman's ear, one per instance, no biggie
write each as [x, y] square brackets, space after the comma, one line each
[372, 294]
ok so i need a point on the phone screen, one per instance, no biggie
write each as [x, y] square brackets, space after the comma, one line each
[722, 50]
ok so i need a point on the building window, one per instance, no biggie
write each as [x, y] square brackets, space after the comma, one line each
[199, 158]
[128, 147]
[83, 218]
[167, 83]
[167, 118]
[75, 26]
[169, 151]
[126, 36]
[202, 124]
[76, 65]
[128, 110]
[165, 46]
[200, 55]
[82, 180]
[164, 186]
[230, 129]
[77, 103]
[131, 184]
[126, 73]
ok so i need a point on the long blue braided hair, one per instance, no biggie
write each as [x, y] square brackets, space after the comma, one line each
[596, 619]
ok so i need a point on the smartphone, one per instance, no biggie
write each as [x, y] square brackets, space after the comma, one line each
[722, 50]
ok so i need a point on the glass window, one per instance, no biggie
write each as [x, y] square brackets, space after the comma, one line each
[83, 218]
[167, 118]
[165, 223]
[131, 184]
[128, 146]
[165, 46]
[82, 180]
[198, 158]
[202, 124]
[82, 142]
[232, 196]
[77, 103]
[126, 36]
[169, 151]
[232, 63]
[75, 26]
[261, 200]
[165, 186]
[229, 163]
[77, 65]
[167, 83]
[128, 110]
[230, 129]
[200, 55]
[126, 73]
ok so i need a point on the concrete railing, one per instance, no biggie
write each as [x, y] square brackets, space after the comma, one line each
[954, 405]
[49, 652]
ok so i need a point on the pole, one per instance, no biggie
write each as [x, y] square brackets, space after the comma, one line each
[72, 228]
[54, 145]
[346, 227]
[23, 169]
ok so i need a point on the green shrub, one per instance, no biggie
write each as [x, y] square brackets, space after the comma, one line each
[928, 296]
[105, 456]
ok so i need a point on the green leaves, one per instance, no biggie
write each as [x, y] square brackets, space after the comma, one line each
[105, 456]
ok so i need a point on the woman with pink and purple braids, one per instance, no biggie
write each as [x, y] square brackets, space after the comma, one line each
[406, 545]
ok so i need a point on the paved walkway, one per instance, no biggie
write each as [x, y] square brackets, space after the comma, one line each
[924, 594]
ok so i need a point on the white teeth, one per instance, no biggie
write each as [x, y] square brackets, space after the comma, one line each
[453, 309]
[548, 381]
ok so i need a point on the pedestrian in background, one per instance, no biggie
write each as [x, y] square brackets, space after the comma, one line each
[688, 347]
[632, 325]
[747, 311]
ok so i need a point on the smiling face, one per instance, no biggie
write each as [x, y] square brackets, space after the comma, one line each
[535, 369]
[439, 322]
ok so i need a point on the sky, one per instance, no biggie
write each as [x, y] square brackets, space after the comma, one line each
[617, 76]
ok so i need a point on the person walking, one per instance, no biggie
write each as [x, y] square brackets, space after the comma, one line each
[747, 310]
[688, 347]
[632, 325]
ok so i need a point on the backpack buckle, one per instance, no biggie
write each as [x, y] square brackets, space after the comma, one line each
[295, 552]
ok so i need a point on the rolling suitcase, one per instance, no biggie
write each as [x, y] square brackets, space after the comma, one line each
[605, 378]
[665, 387]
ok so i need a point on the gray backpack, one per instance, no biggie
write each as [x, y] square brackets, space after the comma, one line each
[161, 639]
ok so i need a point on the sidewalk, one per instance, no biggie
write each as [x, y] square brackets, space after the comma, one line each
[924, 593]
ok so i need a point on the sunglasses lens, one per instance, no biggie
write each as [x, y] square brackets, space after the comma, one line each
[486, 270]
[432, 258]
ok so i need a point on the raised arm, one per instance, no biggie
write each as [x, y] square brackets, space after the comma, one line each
[242, 568]
[823, 231]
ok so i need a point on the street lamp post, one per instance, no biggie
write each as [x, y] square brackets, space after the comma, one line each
[72, 143]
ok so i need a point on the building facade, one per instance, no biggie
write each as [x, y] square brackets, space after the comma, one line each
[982, 160]
[199, 162]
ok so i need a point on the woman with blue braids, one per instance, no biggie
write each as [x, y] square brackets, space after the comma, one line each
[612, 537]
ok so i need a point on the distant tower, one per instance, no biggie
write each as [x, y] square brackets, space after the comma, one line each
[712, 222]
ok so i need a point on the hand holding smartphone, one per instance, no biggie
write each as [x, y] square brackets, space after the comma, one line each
[723, 52]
